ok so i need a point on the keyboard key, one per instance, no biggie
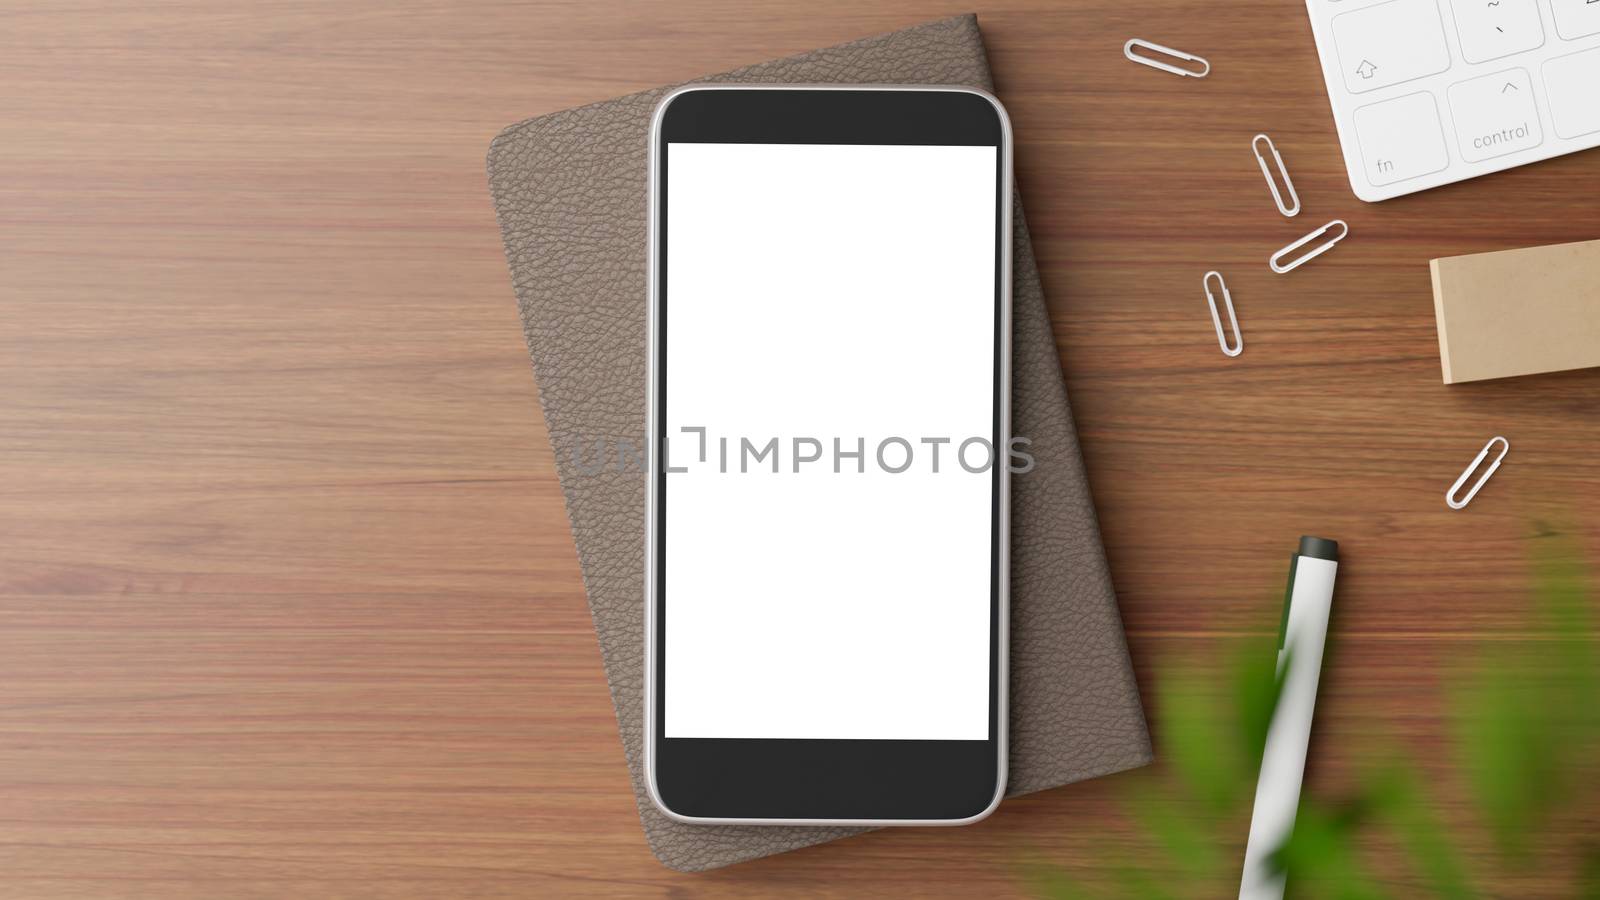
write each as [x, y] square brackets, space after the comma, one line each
[1401, 138]
[1495, 115]
[1576, 18]
[1390, 43]
[1491, 29]
[1572, 83]
[1413, 102]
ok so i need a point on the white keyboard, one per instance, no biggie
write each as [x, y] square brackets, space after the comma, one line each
[1427, 92]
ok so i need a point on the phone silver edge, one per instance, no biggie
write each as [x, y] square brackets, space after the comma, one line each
[652, 466]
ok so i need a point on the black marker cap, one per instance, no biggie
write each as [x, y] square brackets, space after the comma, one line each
[1319, 548]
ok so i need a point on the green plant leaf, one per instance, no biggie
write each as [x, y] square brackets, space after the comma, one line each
[1137, 882]
[1257, 686]
[1404, 804]
[1189, 848]
[1527, 728]
[1562, 601]
[1195, 739]
[1504, 741]
[1528, 721]
[1320, 857]
[1589, 873]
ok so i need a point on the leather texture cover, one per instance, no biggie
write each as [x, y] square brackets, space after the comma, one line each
[571, 193]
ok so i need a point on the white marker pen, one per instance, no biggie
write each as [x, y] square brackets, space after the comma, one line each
[1301, 639]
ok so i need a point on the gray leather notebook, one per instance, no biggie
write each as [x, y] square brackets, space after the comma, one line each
[570, 190]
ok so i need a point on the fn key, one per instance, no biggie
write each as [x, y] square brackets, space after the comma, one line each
[1401, 138]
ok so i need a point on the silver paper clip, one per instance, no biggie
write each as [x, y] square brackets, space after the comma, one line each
[1216, 318]
[1272, 184]
[1321, 248]
[1450, 495]
[1127, 50]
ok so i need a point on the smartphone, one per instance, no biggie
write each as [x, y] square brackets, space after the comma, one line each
[829, 454]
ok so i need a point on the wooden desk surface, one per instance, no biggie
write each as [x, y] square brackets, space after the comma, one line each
[288, 606]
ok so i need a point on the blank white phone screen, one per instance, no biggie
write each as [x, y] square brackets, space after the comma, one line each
[824, 301]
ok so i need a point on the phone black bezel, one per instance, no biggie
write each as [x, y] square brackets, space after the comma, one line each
[814, 779]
